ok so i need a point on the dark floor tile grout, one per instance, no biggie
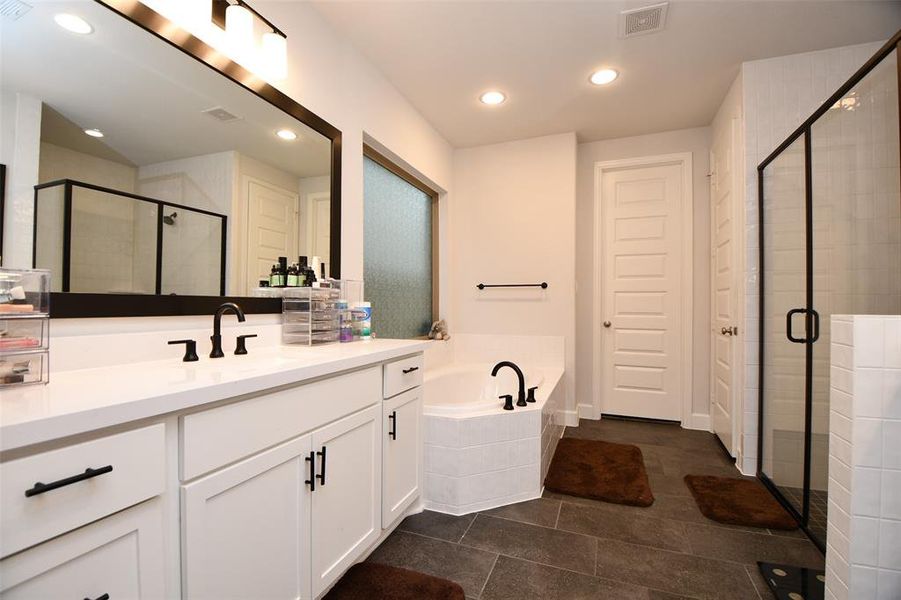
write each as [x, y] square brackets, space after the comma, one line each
[559, 510]
[753, 585]
[468, 527]
[490, 571]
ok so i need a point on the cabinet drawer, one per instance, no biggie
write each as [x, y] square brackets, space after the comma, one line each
[220, 436]
[402, 375]
[121, 556]
[127, 468]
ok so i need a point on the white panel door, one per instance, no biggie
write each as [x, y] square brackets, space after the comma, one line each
[642, 329]
[247, 528]
[348, 497]
[271, 229]
[121, 556]
[401, 449]
[321, 236]
[725, 296]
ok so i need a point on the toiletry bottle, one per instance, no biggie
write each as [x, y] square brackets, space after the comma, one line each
[274, 277]
[362, 320]
[345, 322]
[292, 276]
[283, 270]
[302, 279]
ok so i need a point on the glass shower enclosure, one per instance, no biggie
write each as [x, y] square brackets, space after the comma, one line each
[830, 243]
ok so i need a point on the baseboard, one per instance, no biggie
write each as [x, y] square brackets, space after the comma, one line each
[570, 417]
[698, 421]
[586, 411]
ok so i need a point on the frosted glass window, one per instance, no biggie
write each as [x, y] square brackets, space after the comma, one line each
[397, 262]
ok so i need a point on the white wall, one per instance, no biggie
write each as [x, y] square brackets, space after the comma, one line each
[513, 217]
[778, 94]
[696, 141]
[329, 76]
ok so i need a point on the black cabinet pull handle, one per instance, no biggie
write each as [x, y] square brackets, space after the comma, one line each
[40, 488]
[410, 370]
[392, 432]
[312, 480]
[103, 597]
[321, 475]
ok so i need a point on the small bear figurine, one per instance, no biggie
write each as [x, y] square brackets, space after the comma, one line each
[439, 331]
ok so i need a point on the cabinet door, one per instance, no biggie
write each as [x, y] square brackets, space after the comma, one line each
[246, 529]
[401, 448]
[347, 500]
[120, 556]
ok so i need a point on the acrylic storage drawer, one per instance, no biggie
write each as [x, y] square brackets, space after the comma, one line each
[24, 368]
[23, 335]
[321, 337]
[24, 292]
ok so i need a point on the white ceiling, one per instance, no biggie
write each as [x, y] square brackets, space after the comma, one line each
[442, 55]
[145, 95]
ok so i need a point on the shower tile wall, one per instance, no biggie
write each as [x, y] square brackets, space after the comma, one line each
[778, 94]
[863, 555]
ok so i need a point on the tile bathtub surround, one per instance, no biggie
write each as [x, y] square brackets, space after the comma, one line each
[863, 558]
[484, 461]
[564, 547]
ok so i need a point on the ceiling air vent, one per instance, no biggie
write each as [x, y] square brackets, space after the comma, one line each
[13, 9]
[221, 115]
[641, 21]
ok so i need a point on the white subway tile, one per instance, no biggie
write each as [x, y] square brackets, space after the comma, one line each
[890, 544]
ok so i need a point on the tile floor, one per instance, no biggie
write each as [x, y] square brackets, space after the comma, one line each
[570, 548]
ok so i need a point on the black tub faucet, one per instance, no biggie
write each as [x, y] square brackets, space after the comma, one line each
[216, 338]
[521, 396]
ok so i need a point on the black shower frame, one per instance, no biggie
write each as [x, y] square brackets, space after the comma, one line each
[811, 317]
[70, 184]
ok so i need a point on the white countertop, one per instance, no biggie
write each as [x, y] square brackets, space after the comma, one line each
[85, 400]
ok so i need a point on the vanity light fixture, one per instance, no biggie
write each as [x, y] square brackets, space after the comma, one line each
[95, 133]
[229, 27]
[603, 76]
[286, 134]
[492, 98]
[73, 23]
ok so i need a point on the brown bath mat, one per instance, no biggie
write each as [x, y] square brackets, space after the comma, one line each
[738, 502]
[600, 471]
[374, 581]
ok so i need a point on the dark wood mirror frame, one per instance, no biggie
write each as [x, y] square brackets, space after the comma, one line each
[79, 305]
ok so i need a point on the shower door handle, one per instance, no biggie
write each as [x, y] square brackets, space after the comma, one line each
[812, 320]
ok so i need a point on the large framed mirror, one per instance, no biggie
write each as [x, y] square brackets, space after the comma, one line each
[149, 173]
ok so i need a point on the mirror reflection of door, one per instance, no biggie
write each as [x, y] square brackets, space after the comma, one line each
[271, 228]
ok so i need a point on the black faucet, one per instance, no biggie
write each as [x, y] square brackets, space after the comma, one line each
[216, 338]
[521, 396]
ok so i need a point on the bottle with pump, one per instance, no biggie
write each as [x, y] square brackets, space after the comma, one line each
[274, 277]
[292, 276]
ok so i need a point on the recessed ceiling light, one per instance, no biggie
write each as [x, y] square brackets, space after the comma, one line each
[94, 133]
[286, 134]
[492, 97]
[73, 23]
[603, 76]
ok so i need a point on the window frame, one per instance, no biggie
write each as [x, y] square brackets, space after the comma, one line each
[385, 162]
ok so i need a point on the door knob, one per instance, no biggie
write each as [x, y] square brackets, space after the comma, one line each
[607, 323]
[729, 330]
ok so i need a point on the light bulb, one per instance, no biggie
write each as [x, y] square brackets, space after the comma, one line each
[603, 76]
[239, 27]
[275, 55]
[492, 97]
[192, 14]
[73, 23]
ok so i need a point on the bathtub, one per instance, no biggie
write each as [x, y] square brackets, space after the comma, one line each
[477, 455]
[470, 389]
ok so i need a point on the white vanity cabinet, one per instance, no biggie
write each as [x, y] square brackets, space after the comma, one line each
[246, 528]
[121, 556]
[401, 453]
[273, 494]
[347, 499]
